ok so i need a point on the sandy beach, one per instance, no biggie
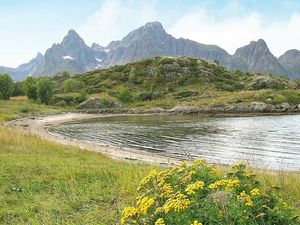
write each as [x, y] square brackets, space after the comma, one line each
[40, 126]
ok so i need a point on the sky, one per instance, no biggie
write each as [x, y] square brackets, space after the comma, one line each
[32, 26]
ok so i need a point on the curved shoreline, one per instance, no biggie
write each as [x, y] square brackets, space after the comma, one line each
[41, 125]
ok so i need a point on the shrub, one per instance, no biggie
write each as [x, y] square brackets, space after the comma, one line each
[6, 86]
[72, 85]
[185, 94]
[45, 90]
[125, 95]
[30, 88]
[195, 194]
[18, 89]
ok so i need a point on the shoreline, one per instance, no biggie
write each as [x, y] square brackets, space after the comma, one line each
[41, 126]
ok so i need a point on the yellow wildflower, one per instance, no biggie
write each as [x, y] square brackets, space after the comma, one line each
[196, 223]
[228, 184]
[192, 188]
[128, 212]
[147, 179]
[160, 221]
[178, 202]
[244, 197]
[166, 191]
[255, 192]
[145, 204]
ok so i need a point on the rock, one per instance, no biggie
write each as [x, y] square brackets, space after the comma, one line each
[155, 110]
[258, 107]
[286, 106]
[298, 106]
[99, 103]
[184, 109]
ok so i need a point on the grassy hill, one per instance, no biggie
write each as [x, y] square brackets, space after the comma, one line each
[169, 81]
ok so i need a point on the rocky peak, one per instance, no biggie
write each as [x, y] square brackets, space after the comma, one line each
[290, 60]
[72, 38]
[258, 58]
[152, 30]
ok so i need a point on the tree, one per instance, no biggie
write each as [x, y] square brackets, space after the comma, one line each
[18, 89]
[30, 88]
[72, 85]
[45, 90]
[6, 86]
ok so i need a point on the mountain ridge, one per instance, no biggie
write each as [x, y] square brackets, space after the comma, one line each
[147, 41]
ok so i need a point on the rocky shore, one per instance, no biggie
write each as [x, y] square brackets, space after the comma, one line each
[241, 109]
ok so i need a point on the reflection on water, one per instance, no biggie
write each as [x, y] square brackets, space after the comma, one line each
[269, 141]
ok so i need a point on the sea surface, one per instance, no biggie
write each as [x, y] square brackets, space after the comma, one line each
[271, 142]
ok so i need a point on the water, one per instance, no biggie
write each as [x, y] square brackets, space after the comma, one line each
[271, 142]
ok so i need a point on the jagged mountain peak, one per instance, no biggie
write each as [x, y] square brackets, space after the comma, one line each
[72, 37]
[258, 58]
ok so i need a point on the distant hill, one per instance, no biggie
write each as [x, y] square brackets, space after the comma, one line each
[151, 40]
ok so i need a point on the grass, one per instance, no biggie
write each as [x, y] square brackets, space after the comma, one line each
[47, 183]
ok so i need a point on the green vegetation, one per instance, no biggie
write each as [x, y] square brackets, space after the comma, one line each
[168, 81]
[196, 194]
[6, 86]
[46, 183]
[72, 85]
[30, 88]
[45, 90]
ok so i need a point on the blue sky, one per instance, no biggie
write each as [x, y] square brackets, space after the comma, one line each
[34, 25]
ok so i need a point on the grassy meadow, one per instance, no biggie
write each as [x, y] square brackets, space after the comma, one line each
[47, 183]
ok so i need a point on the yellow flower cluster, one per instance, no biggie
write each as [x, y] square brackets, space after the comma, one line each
[244, 197]
[160, 221]
[227, 184]
[128, 213]
[147, 179]
[196, 223]
[178, 202]
[255, 192]
[166, 190]
[192, 188]
[145, 204]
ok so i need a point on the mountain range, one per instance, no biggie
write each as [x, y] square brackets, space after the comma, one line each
[150, 40]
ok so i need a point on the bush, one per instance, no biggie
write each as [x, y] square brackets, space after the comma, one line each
[6, 86]
[125, 95]
[30, 88]
[195, 194]
[18, 89]
[185, 94]
[45, 90]
[72, 85]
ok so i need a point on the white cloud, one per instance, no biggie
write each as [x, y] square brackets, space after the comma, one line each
[114, 20]
[237, 27]
[232, 33]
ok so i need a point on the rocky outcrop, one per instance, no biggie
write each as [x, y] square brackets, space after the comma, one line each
[99, 103]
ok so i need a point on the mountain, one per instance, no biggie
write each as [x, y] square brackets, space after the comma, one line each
[72, 55]
[290, 60]
[258, 58]
[150, 40]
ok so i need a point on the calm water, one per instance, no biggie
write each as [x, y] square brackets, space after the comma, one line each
[270, 141]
